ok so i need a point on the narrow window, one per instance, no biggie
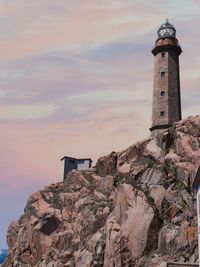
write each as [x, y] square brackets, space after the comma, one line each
[162, 93]
[162, 74]
[81, 161]
[163, 54]
[162, 113]
[71, 161]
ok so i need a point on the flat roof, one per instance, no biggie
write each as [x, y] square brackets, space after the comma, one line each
[76, 158]
[67, 157]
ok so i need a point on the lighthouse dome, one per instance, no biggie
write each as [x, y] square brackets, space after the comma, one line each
[166, 30]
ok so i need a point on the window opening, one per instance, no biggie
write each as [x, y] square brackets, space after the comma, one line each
[71, 161]
[162, 93]
[162, 73]
[81, 161]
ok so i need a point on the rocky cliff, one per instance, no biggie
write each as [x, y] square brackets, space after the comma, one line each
[135, 208]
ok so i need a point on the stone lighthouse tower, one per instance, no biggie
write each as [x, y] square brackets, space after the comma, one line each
[166, 89]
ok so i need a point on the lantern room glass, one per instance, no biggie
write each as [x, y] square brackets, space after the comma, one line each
[166, 30]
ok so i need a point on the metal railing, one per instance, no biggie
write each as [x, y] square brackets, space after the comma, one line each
[176, 264]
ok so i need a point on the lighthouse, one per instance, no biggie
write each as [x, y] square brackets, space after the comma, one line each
[166, 88]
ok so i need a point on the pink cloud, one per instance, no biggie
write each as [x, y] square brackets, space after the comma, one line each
[91, 62]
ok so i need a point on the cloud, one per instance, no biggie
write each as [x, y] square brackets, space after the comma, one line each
[117, 50]
[24, 112]
[56, 79]
[76, 77]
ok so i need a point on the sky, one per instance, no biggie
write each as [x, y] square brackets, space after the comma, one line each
[76, 78]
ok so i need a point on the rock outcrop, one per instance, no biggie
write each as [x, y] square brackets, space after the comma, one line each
[135, 208]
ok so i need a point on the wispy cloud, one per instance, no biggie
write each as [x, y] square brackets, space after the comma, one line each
[76, 78]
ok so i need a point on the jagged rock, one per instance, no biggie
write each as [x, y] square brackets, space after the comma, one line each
[107, 165]
[136, 208]
[127, 243]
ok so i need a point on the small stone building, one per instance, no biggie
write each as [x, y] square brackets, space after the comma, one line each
[75, 164]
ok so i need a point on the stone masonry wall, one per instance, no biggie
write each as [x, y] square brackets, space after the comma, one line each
[174, 88]
[169, 102]
[160, 103]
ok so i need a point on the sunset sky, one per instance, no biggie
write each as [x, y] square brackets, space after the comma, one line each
[76, 79]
